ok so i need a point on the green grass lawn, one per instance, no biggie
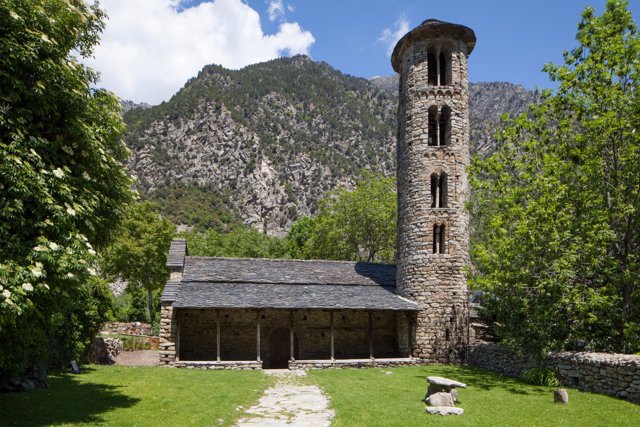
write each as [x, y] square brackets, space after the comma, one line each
[371, 397]
[153, 396]
[141, 396]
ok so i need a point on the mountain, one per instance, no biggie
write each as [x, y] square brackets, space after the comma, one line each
[130, 105]
[263, 144]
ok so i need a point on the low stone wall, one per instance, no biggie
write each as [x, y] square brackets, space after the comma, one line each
[495, 358]
[352, 363]
[611, 374]
[229, 365]
[104, 350]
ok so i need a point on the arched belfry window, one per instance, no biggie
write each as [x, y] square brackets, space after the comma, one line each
[439, 190]
[439, 126]
[438, 68]
[439, 239]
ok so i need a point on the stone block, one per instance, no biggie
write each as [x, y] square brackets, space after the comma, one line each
[560, 396]
[445, 410]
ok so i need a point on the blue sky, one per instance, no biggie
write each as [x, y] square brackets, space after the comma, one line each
[151, 47]
[515, 37]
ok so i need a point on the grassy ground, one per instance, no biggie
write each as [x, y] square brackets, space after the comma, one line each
[141, 396]
[373, 397]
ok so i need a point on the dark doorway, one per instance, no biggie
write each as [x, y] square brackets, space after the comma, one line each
[280, 349]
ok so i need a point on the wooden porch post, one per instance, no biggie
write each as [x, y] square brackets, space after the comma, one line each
[409, 322]
[331, 334]
[218, 335]
[177, 338]
[370, 335]
[291, 355]
[438, 77]
[258, 337]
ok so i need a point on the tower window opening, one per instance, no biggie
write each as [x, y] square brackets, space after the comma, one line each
[439, 238]
[444, 126]
[434, 190]
[443, 64]
[432, 69]
[439, 190]
[432, 131]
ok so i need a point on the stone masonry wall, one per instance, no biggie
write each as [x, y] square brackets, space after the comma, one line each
[611, 374]
[436, 281]
[168, 334]
[496, 358]
[368, 363]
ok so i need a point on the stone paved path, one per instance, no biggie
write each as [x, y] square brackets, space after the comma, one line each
[289, 402]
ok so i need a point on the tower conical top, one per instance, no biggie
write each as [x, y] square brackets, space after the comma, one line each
[433, 28]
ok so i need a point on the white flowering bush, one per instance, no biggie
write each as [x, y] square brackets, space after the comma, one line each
[62, 182]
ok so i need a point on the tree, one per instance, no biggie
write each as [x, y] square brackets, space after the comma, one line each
[556, 208]
[239, 242]
[358, 225]
[62, 182]
[139, 251]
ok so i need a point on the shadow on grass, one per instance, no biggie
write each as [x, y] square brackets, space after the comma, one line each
[485, 380]
[66, 401]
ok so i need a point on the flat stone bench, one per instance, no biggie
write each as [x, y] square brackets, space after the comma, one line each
[441, 384]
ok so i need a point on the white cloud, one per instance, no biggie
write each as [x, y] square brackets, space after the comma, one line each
[275, 10]
[150, 48]
[390, 36]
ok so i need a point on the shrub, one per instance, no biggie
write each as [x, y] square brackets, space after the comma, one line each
[541, 376]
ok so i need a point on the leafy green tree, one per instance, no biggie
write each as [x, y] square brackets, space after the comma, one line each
[240, 242]
[138, 310]
[139, 251]
[62, 183]
[358, 225]
[299, 235]
[556, 208]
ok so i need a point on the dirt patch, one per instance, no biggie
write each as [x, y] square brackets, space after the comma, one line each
[137, 358]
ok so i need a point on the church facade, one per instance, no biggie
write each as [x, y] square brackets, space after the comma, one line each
[222, 313]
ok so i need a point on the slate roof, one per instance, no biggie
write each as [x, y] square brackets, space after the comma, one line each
[170, 291]
[288, 271]
[177, 253]
[289, 296]
[285, 284]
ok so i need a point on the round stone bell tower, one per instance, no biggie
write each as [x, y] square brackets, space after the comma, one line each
[433, 153]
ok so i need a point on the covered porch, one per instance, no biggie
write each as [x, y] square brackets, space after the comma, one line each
[301, 338]
[272, 326]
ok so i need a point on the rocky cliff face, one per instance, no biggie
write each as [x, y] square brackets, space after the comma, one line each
[273, 138]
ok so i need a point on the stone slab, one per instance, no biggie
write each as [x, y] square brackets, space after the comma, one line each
[445, 410]
[446, 382]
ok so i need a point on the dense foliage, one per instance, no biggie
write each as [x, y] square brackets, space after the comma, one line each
[358, 225]
[239, 242]
[200, 206]
[62, 184]
[139, 251]
[556, 208]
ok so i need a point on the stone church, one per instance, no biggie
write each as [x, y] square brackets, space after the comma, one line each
[222, 313]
